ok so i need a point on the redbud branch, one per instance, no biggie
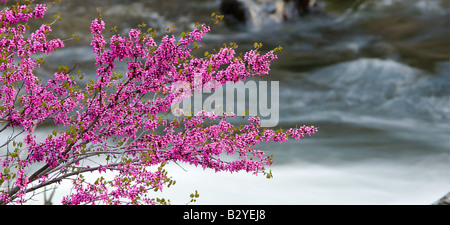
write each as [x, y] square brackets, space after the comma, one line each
[54, 21]
[6, 126]
[11, 139]
[58, 179]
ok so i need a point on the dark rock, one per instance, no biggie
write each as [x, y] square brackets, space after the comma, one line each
[235, 8]
[303, 6]
[242, 11]
[444, 200]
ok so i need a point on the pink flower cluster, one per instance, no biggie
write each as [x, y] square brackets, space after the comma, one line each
[120, 117]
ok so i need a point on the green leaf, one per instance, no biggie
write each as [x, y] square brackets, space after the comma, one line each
[209, 70]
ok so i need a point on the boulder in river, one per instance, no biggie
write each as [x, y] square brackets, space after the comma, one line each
[444, 200]
[264, 11]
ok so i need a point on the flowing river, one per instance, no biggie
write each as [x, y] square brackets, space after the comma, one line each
[374, 76]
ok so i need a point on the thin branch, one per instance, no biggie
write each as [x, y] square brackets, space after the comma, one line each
[110, 167]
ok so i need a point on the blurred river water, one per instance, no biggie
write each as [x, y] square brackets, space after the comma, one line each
[373, 75]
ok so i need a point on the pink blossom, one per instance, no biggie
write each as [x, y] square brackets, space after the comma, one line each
[121, 117]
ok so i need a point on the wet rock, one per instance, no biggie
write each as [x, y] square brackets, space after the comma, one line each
[257, 11]
[444, 200]
[235, 8]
